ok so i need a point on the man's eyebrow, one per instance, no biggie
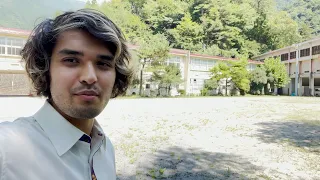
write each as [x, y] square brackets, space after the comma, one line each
[105, 57]
[70, 52]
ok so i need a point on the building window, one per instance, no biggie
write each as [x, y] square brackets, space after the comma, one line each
[11, 46]
[305, 52]
[201, 64]
[284, 57]
[315, 50]
[2, 50]
[174, 61]
[293, 55]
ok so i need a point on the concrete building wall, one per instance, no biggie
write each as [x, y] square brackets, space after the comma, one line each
[308, 66]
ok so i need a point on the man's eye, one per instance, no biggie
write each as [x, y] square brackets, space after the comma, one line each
[104, 64]
[70, 60]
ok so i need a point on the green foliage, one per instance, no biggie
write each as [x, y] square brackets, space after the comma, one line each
[307, 14]
[221, 71]
[240, 75]
[236, 71]
[182, 92]
[258, 78]
[228, 28]
[153, 50]
[167, 76]
[119, 12]
[187, 35]
[161, 15]
[209, 85]
[276, 72]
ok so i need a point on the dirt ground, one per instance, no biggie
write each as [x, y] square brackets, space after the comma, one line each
[207, 138]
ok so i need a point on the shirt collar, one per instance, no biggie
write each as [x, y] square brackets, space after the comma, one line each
[61, 132]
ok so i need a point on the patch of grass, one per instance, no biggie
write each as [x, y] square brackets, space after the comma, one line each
[156, 139]
[161, 171]
[130, 150]
[152, 173]
[204, 121]
[139, 173]
[264, 176]
[228, 172]
[231, 129]
[189, 126]
[309, 116]
[172, 154]
[159, 126]
[133, 160]
[128, 135]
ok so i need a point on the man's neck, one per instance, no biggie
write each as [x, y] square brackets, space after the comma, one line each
[82, 124]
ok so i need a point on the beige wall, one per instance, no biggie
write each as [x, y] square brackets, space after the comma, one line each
[14, 84]
[305, 66]
[316, 65]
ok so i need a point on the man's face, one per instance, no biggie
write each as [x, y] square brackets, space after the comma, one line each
[82, 74]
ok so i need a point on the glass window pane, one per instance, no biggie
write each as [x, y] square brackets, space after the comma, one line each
[2, 50]
[9, 41]
[18, 50]
[9, 50]
[2, 41]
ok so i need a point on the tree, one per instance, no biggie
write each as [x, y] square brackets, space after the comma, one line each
[276, 73]
[221, 71]
[258, 78]
[209, 85]
[119, 11]
[162, 15]
[167, 76]
[306, 13]
[153, 50]
[240, 75]
[187, 35]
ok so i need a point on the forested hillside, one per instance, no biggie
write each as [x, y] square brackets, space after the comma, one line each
[216, 27]
[24, 14]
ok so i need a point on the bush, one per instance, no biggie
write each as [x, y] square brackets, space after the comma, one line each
[182, 92]
[204, 92]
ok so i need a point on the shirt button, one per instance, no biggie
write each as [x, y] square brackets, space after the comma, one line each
[99, 133]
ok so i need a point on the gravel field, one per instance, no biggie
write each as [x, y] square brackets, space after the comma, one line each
[206, 138]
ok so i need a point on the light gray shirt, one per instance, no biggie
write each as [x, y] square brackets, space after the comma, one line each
[47, 147]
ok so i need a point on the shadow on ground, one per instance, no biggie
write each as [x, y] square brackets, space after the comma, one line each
[305, 134]
[194, 164]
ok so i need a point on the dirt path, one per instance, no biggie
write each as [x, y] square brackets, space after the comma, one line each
[209, 138]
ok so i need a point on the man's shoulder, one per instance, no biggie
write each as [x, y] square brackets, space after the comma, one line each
[20, 127]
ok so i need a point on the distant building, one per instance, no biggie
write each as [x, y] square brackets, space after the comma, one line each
[307, 69]
[195, 70]
[13, 79]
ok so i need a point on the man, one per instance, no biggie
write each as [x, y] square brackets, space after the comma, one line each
[79, 61]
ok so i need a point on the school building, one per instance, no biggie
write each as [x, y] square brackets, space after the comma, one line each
[302, 61]
[13, 79]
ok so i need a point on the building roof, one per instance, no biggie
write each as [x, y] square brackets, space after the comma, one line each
[20, 32]
[13, 31]
[289, 47]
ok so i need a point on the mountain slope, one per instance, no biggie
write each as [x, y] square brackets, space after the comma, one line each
[25, 14]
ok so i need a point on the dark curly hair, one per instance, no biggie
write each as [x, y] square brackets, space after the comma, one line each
[37, 52]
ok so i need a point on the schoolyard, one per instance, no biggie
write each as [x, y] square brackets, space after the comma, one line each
[206, 138]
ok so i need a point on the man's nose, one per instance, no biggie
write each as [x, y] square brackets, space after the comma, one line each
[88, 74]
